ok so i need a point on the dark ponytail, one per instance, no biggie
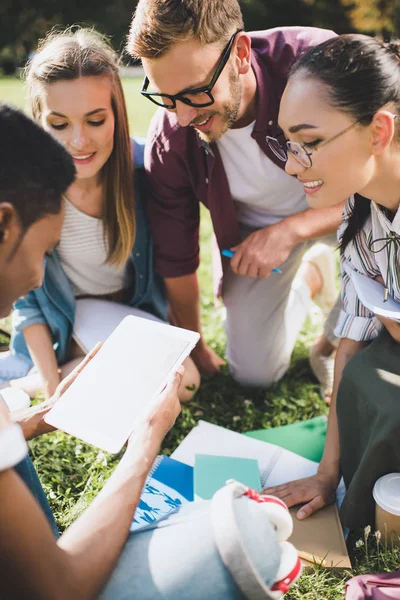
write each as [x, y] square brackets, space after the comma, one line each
[361, 74]
[359, 214]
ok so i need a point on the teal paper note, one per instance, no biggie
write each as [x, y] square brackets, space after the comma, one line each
[211, 473]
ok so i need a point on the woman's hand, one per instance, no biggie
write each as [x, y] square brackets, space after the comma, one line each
[317, 491]
[32, 419]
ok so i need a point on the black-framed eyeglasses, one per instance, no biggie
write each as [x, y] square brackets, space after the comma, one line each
[298, 151]
[198, 97]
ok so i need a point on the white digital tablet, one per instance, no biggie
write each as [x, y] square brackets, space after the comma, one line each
[107, 398]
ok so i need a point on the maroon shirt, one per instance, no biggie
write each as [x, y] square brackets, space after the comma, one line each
[183, 170]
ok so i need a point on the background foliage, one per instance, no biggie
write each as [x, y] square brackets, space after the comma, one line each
[23, 22]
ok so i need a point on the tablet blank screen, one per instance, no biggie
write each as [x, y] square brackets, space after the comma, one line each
[133, 365]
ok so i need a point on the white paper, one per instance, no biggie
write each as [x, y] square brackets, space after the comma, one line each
[132, 367]
[95, 320]
[277, 465]
[372, 293]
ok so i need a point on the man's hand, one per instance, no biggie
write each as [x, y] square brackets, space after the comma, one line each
[317, 491]
[205, 359]
[163, 411]
[262, 251]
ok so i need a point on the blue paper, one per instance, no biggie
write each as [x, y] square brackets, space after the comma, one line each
[168, 487]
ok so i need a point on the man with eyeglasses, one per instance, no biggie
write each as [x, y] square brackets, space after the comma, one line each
[221, 89]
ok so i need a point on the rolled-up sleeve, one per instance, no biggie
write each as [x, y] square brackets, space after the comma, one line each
[26, 312]
[355, 322]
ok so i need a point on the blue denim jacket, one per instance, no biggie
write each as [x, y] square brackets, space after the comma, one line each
[54, 303]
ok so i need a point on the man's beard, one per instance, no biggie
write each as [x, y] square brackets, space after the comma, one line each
[229, 113]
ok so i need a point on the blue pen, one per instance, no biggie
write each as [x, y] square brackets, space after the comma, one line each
[230, 253]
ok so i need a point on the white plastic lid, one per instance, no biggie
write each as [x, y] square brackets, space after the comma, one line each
[15, 398]
[386, 493]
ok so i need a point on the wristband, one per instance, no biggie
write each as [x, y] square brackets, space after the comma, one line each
[13, 446]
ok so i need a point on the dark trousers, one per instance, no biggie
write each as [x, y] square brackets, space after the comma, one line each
[368, 410]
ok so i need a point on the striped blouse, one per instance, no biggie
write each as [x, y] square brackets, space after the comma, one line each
[355, 321]
[83, 254]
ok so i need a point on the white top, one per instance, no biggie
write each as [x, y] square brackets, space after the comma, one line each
[263, 193]
[83, 252]
[356, 321]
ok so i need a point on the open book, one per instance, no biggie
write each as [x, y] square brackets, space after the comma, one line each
[321, 534]
[276, 464]
[372, 293]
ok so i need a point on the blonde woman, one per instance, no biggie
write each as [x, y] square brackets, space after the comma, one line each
[105, 249]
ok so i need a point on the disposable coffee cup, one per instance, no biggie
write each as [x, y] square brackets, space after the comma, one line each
[15, 398]
[386, 494]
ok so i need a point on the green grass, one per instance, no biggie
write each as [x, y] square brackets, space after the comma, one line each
[72, 473]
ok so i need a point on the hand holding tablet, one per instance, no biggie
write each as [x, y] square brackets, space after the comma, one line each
[114, 390]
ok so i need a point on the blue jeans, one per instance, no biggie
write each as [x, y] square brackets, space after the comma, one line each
[26, 471]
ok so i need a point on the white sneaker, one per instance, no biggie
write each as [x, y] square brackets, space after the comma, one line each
[13, 366]
[322, 257]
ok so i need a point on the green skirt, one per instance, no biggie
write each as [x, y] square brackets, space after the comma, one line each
[368, 410]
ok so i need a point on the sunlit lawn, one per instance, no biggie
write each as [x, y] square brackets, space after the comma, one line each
[72, 472]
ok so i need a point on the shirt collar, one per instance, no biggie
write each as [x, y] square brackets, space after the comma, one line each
[267, 104]
[386, 224]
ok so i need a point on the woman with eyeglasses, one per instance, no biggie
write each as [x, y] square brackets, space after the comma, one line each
[105, 250]
[339, 113]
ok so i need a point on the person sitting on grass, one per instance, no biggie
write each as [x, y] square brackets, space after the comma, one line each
[218, 89]
[340, 113]
[105, 248]
[97, 557]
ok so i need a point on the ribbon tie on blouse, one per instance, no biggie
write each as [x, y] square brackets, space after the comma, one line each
[390, 241]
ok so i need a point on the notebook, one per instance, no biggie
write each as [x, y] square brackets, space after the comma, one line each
[306, 438]
[276, 465]
[212, 472]
[321, 534]
[169, 485]
[371, 293]
[105, 401]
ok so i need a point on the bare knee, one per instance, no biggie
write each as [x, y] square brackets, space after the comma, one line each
[190, 382]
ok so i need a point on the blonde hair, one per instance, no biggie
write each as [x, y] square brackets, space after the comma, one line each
[68, 55]
[159, 24]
